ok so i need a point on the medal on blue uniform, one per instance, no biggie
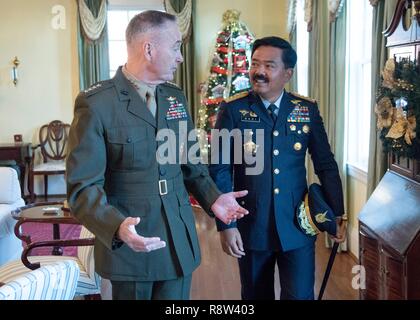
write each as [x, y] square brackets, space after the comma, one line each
[250, 147]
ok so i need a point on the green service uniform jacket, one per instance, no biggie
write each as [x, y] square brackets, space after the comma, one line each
[113, 173]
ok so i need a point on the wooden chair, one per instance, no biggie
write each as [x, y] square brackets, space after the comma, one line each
[53, 149]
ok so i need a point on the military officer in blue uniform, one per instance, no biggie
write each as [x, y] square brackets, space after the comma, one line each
[291, 124]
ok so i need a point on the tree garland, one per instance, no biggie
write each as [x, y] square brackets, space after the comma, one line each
[398, 108]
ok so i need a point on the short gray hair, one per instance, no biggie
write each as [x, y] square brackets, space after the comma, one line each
[146, 20]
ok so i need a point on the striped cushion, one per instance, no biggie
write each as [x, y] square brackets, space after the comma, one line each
[85, 253]
[56, 281]
[85, 285]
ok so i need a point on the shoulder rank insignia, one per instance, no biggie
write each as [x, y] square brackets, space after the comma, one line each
[93, 87]
[237, 96]
[97, 87]
[303, 98]
[172, 85]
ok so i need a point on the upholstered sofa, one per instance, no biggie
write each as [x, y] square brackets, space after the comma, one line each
[56, 281]
[10, 199]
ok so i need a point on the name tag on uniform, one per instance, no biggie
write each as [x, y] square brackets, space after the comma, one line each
[249, 116]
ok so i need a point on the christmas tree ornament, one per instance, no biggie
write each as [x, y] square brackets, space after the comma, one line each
[239, 64]
[241, 42]
[218, 91]
[241, 83]
[229, 68]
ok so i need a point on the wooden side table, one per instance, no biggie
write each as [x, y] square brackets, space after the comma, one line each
[40, 213]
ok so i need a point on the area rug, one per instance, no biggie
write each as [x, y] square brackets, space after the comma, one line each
[43, 231]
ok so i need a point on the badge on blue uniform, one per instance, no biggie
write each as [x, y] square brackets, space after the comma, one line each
[249, 116]
[250, 147]
[314, 215]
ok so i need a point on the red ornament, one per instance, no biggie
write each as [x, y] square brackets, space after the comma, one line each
[212, 120]
[239, 64]
[219, 70]
[223, 49]
[213, 101]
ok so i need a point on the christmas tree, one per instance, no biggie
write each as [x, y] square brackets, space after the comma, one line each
[228, 72]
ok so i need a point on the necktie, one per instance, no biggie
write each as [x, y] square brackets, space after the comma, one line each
[151, 102]
[271, 110]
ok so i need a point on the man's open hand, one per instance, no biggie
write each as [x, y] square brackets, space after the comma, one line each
[127, 233]
[227, 209]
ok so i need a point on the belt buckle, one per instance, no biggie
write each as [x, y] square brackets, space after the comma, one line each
[163, 187]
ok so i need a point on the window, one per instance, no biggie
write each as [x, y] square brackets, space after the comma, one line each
[120, 13]
[302, 47]
[358, 83]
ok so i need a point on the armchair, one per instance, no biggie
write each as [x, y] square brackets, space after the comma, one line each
[89, 283]
[56, 281]
[10, 199]
[53, 149]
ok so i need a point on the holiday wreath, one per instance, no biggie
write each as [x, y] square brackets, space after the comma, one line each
[398, 108]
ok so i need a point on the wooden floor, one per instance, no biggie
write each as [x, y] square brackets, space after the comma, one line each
[217, 278]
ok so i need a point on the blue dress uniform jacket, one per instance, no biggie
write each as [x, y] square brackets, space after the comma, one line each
[275, 193]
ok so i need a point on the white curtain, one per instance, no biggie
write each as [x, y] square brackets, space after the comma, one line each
[335, 7]
[183, 18]
[291, 17]
[92, 26]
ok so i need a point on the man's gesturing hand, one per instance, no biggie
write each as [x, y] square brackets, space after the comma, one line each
[127, 233]
[231, 241]
[227, 209]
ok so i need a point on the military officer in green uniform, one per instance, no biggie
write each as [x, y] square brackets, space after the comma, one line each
[118, 186]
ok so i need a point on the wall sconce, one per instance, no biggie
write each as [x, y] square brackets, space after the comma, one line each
[16, 63]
